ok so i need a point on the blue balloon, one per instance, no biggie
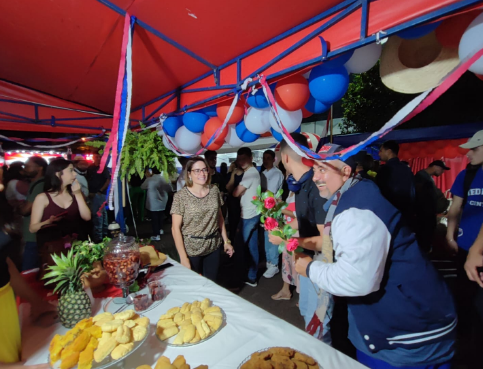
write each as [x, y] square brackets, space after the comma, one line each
[315, 106]
[244, 134]
[279, 137]
[417, 32]
[258, 100]
[328, 85]
[171, 125]
[339, 60]
[209, 110]
[195, 122]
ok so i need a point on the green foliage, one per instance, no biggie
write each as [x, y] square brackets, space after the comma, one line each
[90, 252]
[66, 272]
[144, 149]
[369, 104]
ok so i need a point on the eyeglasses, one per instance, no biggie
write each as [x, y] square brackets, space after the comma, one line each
[198, 171]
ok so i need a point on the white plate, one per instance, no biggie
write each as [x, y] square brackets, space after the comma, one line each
[107, 362]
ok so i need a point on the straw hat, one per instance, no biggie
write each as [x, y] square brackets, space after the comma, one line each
[414, 66]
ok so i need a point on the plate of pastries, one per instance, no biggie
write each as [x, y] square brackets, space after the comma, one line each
[279, 358]
[165, 363]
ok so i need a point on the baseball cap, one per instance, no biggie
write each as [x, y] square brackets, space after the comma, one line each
[331, 148]
[439, 163]
[474, 142]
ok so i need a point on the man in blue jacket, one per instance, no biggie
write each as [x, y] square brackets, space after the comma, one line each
[401, 313]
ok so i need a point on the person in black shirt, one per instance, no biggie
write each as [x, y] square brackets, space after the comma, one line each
[216, 178]
[396, 180]
[98, 184]
[138, 197]
[364, 166]
[309, 208]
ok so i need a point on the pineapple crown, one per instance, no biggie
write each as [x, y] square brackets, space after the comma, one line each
[66, 272]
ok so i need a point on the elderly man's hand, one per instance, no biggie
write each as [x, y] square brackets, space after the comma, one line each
[301, 264]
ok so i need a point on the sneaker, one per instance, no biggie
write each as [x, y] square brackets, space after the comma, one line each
[161, 232]
[251, 283]
[271, 271]
[155, 238]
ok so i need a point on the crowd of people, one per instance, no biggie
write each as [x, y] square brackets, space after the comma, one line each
[366, 230]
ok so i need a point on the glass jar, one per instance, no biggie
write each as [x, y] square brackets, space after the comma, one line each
[121, 262]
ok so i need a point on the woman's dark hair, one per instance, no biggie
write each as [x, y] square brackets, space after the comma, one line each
[14, 172]
[155, 171]
[190, 164]
[52, 182]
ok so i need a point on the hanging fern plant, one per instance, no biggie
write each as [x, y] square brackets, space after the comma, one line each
[144, 149]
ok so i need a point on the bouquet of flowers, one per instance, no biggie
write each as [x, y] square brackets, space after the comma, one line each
[270, 206]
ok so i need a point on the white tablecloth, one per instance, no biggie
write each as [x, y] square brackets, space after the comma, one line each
[248, 329]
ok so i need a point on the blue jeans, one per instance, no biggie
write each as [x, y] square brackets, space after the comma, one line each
[99, 223]
[249, 233]
[374, 363]
[271, 251]
[308, 304]
[30, 258]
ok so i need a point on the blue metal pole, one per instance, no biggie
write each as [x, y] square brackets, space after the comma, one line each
[159, 107]
[364, 17]
[17, 116]
[213, 88]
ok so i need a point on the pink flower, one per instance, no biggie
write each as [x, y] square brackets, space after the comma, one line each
[292, 244]
[270, 203]
[254, 197]
[270, 224]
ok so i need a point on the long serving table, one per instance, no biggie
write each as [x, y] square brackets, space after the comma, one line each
[248, 329]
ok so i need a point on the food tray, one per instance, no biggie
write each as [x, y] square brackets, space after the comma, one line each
[107, 362]
[268, 348]
[170, 340]
[114, 308]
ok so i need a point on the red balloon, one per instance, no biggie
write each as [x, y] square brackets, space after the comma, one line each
[306, 113]
[266, 134]
[479, 76]
[210, 128]
[237, 115]
[450, 31]
[292, 93]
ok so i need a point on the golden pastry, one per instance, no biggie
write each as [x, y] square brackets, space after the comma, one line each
[121, 350]
[125, 315]
[144, 367]
[173, 311]
[196, 318]
[185, 323]
[205, 304]
[202, 367]
[185, 308]
[189, 333]
[282, 362]
[304, 358]
[196, 310]
[178, 318]
[197, 337]
[103, 316]
[201, 331]
[93, 343]
[105, 349]
[179, 340]
[144, 321]
[184, 366]
[300, 364]
[283, 351]
[195, 304]
[123, 334]
[165, 323]
[139, 332]
[187, 315]
[165, 333]
[130, 323]
[180, 360]
[112, 325]
[212, 309]
[215, 324]
[84, 323]
[95, 331]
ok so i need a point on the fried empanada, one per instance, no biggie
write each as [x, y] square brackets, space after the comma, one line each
[304, 358]
[122, 350]
[125, 315]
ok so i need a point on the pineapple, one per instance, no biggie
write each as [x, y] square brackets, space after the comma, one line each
[74, 304]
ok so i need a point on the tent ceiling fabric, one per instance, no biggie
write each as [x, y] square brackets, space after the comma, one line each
[71, 48]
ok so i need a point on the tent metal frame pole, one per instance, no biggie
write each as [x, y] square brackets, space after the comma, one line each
[370, 39]
[17, 116]
[57, 125]
[364, 18]
[162, 36]
[171, 98]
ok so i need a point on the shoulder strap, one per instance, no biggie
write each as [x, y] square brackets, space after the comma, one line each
[470, 175]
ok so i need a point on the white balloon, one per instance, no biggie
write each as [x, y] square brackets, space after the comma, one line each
[257, 120]
[290, 119]
[364, 58]
[232, 138]
[471, 42]
[187, 140]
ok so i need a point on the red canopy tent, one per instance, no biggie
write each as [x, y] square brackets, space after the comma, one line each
[60, 58]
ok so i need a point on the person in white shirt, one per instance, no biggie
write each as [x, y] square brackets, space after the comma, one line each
[80, 167]
[156, 199]
[248, 227]
[271, 180]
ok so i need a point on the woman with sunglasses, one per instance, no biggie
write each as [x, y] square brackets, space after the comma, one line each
[198, 225]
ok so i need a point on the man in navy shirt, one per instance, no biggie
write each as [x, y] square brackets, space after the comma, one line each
[466, 239]
[395, 180]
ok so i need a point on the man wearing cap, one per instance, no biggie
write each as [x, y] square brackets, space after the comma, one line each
[400, 310]
[430, 202]
[316, 306]
[80, 167]
[465, 236]
[396, 180]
